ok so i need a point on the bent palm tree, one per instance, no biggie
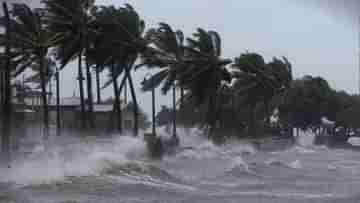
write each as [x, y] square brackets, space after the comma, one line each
[72, 20]
[281, 72]
[259, 82]
[120, 33]
[103, 54]
[205, 72]
[251, 82]
[51, 71]
[6, 106]
[168, 55]
[31, 41]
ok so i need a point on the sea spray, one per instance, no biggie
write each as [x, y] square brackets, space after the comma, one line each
[72, 157]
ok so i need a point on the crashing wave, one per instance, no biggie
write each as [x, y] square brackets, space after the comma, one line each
[293, 165]
[81, 158]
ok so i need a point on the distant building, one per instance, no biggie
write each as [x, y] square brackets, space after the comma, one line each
[104, 114]
[28, 105]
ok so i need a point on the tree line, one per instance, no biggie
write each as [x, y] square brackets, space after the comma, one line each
[226, 93]
[303, 105]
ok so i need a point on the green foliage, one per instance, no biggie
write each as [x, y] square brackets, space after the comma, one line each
[70, 20]
[258, 82]
[118, 38]
[307, 101]
[29, 39]
[114, 38]
[167, 54]
[206, 72]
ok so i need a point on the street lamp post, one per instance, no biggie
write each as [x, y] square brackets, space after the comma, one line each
[153, 103]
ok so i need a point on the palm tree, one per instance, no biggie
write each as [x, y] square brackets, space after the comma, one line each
[168, 55]
[250, 82]
[104, 54]
[120, 33]
[259, 82]
[97, 70]
[73, 21]
[50, 70]
[2, 83]
[6, 87]
[281, 73]
[205, 72]
[30, 42]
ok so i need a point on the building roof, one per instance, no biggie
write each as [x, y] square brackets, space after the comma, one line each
[75, 102]
[24, 111]
[101, 108]
[66, 101]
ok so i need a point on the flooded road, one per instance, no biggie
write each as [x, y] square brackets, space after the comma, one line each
[81, 170]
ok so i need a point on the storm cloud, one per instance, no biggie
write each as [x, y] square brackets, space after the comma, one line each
[348, 10]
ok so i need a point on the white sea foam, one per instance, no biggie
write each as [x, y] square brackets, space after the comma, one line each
[303, 150]
[355, 141]
[238, 163]
[64, 157]
[275, 162]
[306, 139]
[295, 165]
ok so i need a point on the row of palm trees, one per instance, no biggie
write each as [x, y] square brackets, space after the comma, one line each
[115, 39]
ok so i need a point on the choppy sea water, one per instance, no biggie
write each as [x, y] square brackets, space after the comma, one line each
[116, 169]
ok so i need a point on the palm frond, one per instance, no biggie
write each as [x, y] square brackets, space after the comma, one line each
[154, 81]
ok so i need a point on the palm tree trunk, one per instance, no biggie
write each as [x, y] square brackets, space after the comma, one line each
[133, 95]
[7, 108]
[89, 93]
[267, 112]
[209, 117]
[182, 95]
[97, 74]
[44, 98]
[2, 89]
[291, 129]
[81, 90]
[122, 85]
[117, 104]
[182, 104]
[252, 121]
[125, 93]
[174, 112]
[58, 116]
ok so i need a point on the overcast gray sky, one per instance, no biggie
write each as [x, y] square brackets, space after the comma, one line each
[320, 37]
